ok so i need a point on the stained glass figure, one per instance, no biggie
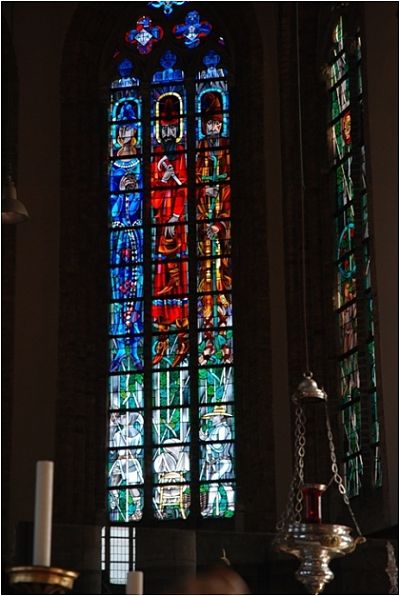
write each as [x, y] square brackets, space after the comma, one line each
[150, 264]
[192, 30]
[144, 35]
[212, 70]
[216, 461]
[166, 5]
[169, 72]
[126, 79]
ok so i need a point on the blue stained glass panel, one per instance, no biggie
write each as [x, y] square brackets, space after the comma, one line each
[126, 246]
[192, 30]
[126, 391]
[126, 209]
[218, 499]
[126, 175]
[125, 467]
[126, 282]
[125, 107]
[126, 77]
[125, 505]
[126, 318]
[170, 73]
[171, 501]
[126, 354]
[126, 429]
[212, 69]
[170, 388]
[215, 385]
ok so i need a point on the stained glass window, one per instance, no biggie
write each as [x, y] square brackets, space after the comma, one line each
[171, 438]
[358, 392]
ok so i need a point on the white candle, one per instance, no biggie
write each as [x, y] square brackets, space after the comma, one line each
[134, 582]
[43, 513]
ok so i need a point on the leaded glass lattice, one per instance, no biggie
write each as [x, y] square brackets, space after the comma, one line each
[171, 374]
[354, 300]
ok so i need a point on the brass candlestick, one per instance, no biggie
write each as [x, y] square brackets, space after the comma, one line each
[37, 579]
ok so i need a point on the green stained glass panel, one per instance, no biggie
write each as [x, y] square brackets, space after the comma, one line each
[345, 230]
[171, 425]
[351, 419]
[126, 391]
[375, 435]
[340, 98]
[125, 505]
[171, 501]
[218, 499]
[364, 207]
[349, 378]
[215, 385]
[215, 347]
[125, 467]
[341, 137]
[170, 388]
[217, 423]
[126, 429]
[344, 183]
[370, 317]
[367, 267]
[353, 470]
[372, 363]
[378, 472]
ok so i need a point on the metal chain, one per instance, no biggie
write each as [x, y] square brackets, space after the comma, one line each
[336, 476]
[294, 507]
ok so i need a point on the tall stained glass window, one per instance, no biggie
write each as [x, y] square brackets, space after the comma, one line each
[354, 296]
[171, 451]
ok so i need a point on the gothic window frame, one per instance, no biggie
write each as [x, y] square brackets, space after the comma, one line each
[355, 300]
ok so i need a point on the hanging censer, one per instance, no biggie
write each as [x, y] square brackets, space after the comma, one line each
[300, 531]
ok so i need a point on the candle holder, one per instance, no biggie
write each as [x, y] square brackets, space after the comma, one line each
[37, 579]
